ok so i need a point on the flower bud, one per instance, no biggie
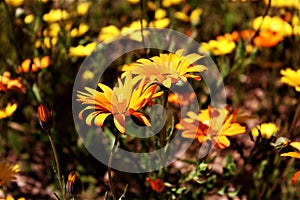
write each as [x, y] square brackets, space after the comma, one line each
[45, 117]
[73, 186]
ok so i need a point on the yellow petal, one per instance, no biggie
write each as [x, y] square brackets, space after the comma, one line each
[142, 118]
[296, 145]
[120, 123]
[8, 111]
[291, 154]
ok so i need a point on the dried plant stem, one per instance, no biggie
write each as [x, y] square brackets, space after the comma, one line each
[112, 187]
[57, 166]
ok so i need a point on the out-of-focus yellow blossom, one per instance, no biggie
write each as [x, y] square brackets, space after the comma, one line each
[49, 42]
[160, 23]
[8, 172]
[111, 31]
[295, 20]
[8, 111]
[28, 19]
[87, 75]
[82, 51]
[55, 15]
[284, 3]
[194, 17]
[159, 20]
[275, 24]
[8, 83]
[133, 1]
[296, 25]
[52, 31]
[168, 3]
[267, 130]
[291, 77]
[107, 32]
[83, 8]
[80, 31]
[14, 3]
[68, 26]
[160, 13]
[33, 65]
[9, 197]
[218, 47]
[134, 25]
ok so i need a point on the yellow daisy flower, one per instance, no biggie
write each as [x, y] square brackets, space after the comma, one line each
[8, 172]
[166, 69]
[267, 130]
[291, 77]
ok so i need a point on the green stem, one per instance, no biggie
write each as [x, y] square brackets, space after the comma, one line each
[57, 166]
[141, 21]
[109, 167]
[293, 124]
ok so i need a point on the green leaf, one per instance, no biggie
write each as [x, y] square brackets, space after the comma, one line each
[36, 92]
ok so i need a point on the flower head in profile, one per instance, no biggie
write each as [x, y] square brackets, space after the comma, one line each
[266, 130]
[8, 172]
[211, 124]
[167, 69]
[157, 185]
[124, 100]
[291, 77]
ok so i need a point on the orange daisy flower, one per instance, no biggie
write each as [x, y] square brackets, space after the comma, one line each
[167, 69]
[123, 101]
[268, 39]
[211, 124]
